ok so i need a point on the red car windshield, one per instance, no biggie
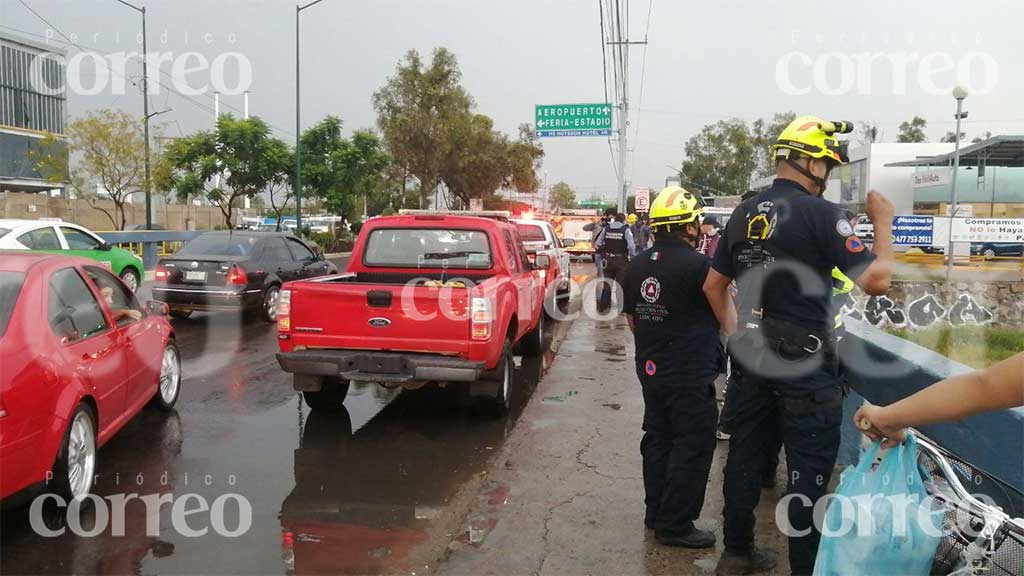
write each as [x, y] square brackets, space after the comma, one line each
[428, 248]
[531, 232]
[10, 286]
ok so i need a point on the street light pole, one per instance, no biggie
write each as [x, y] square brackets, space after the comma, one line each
[145, 114]
[298, 116]
[959, 93]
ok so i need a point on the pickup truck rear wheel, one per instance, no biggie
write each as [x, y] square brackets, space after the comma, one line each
[532, 343]
[330, 397]
[503, 375]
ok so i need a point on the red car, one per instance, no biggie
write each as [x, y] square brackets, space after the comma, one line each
[79, 357]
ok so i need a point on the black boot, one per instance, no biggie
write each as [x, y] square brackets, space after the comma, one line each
[753, 562]
[692, 538]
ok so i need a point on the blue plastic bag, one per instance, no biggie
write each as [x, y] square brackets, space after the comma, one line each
[881, 521]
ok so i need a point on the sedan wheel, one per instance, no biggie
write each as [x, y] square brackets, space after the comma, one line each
[170, 378]
[270, 304]
[76, 462]
[990, 254]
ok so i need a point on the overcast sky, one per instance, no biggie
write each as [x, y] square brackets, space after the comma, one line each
[705, 61]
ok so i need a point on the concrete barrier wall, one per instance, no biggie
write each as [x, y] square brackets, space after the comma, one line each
[889, 368]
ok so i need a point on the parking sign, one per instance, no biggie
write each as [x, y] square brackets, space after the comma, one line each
[643, 199]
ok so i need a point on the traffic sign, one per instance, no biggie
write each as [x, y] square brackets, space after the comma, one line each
[642, 202]
[573, 120]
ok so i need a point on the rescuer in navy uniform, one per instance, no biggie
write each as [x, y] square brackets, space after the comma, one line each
[781, 246]
[678, 357]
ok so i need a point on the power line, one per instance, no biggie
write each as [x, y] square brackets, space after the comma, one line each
[643, 77]
[604, 61]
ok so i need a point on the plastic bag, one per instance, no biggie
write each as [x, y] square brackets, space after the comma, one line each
[881, 521]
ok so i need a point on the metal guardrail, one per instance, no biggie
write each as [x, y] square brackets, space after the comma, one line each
[150, 245]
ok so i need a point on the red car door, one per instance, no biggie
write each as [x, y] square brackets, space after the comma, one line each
[91, 351]
[143, 342]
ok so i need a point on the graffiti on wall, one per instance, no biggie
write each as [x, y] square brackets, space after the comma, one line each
[924, 312]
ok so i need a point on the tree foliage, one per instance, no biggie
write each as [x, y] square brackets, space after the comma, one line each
[432, 131]
[240, 151]
[342, 171]
[562, 196]
[105, 149]
[950, 137]
[913, 130]
[721, 157]
[415, 109]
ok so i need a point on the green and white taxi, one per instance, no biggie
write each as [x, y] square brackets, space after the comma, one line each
[73, 240]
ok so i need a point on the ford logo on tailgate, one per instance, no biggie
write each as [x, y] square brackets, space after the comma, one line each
[379, 322]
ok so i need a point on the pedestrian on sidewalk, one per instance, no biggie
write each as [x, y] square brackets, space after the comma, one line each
[781, 246]
[678, 357]
[709, 236]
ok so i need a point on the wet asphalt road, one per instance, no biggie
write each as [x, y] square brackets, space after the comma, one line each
[355, 492]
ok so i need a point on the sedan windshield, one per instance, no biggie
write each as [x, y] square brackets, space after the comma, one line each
[10, 286]
[220, 245]
[428, 248]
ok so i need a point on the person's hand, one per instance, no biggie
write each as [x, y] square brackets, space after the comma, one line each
[135, 314]
[879, 208]
[872, 421]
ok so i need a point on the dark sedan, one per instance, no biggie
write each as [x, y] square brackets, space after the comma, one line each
[995, 249]
[235, 270]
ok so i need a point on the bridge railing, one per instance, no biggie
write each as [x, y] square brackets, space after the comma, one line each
[150, 245]
[887, 368]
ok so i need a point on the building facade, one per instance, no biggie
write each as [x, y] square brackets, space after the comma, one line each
[33, 106]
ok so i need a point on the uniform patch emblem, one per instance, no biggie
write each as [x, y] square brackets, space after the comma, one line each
[650, 289]
[854, 245]
[650, 368]
[655, 255]
[844, 228]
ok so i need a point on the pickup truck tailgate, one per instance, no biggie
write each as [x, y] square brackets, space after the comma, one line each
[342, 313]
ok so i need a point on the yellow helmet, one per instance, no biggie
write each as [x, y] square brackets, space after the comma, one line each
[811, 136]
[676, 205]
[631, 219]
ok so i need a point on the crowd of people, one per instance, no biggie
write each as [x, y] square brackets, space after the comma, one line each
[759, 299]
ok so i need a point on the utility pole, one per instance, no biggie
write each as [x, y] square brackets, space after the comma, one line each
[624, 115]
[959, 94]
[298, 127]
[145, 114]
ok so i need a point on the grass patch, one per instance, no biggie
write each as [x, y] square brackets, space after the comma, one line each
[975, 346]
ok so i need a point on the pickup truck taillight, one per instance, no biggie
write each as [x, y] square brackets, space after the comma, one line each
[284, 311]
[161, 273]
[481, 318]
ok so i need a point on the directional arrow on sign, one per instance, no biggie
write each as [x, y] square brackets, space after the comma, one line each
[606, 110]
[540, 123]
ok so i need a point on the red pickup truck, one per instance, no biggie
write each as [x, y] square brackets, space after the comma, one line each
[426, 298]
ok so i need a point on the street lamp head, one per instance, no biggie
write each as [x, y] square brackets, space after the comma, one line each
[960, 92]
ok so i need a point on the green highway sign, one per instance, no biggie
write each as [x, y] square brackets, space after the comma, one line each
[573, 120]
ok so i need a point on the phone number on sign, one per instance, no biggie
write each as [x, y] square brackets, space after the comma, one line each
[912, 239]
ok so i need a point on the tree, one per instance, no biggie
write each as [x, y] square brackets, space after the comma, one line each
[280, 160]
[239, 153]
[105, 149]
[764, 133]
[721, 157]
[950, 137]
[415, 109]
[562, 196]
[913, 131]
[342, 171]
[981, 138]
[482, 160]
